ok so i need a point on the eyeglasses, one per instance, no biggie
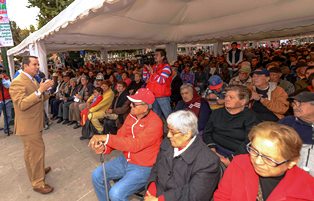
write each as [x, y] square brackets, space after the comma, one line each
[134, 105]
[267, 160]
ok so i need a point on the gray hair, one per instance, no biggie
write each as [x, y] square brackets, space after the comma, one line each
[186, 86]
[243, 92]
[183, 121]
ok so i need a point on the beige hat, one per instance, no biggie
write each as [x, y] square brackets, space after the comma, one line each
[245, 69]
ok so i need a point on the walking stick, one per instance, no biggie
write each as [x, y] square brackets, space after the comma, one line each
[102, 160]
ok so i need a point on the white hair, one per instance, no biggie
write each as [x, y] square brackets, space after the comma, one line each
[183, 121]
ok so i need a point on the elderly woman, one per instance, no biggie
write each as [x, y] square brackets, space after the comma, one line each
[195, 103]
[185, 170]
[227, 128]
[269, 171]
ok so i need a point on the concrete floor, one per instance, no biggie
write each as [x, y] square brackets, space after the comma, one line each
[70, 159]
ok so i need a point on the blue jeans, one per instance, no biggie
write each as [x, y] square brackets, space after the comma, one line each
[162, 107]
[131, 179]
[8, 106]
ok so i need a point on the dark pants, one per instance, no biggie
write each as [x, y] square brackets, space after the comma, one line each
[110, 126]
[8, 115]
[55, 107]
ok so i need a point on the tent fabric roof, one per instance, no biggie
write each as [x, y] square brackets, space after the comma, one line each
[125, 24]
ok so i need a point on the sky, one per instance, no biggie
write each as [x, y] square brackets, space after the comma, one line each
[23, 16]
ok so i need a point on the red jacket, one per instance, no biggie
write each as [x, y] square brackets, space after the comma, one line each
[160, 81]
[240, 183]
[138, 139]
[5, 90]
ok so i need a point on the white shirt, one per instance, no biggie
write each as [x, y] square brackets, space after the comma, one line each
[178, 152]
[28, 75]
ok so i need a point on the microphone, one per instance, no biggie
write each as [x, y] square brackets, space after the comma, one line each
[42, 76]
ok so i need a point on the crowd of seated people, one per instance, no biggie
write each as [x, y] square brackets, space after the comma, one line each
[228, 94]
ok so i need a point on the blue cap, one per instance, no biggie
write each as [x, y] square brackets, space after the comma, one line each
[262, 71]
[215, 82]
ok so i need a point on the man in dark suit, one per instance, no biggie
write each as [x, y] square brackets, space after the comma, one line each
[28, 100]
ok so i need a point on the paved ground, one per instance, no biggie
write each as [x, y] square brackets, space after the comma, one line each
[71, 160]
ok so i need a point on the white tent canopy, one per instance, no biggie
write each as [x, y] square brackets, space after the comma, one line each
[126, 24]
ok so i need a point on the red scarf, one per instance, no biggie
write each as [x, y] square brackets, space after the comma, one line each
[194, 105]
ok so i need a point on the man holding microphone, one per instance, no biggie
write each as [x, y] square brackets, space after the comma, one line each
[28, 100]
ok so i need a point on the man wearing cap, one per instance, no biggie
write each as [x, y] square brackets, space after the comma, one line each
[99, 78]
[244, 77]
[269, 100]
[215, 93]
[275, 77]
[139, 139]
[303, 123]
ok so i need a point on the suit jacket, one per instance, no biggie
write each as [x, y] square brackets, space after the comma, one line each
[29, 109]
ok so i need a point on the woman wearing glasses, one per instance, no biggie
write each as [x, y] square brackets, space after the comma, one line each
[269, 171]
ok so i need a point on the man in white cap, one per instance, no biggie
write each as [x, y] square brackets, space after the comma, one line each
[139, 139]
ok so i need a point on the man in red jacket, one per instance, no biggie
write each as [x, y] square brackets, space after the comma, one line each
[139, 139]
[159, 82]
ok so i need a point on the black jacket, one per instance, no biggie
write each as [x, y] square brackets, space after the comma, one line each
[135, 86]
[229, 131]
[175, 89]
[192, 176]
[121, 106]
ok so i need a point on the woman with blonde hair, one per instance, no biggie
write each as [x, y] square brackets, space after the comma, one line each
[269, 171]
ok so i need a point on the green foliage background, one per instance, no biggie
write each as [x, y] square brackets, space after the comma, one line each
[48, 9]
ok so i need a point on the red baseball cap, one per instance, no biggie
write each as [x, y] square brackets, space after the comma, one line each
[142, 95]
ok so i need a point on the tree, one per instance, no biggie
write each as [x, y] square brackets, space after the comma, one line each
[19, 34]
[48, 9]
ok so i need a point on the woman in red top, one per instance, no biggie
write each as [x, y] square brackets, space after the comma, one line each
[269, 171]
[125, 78]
